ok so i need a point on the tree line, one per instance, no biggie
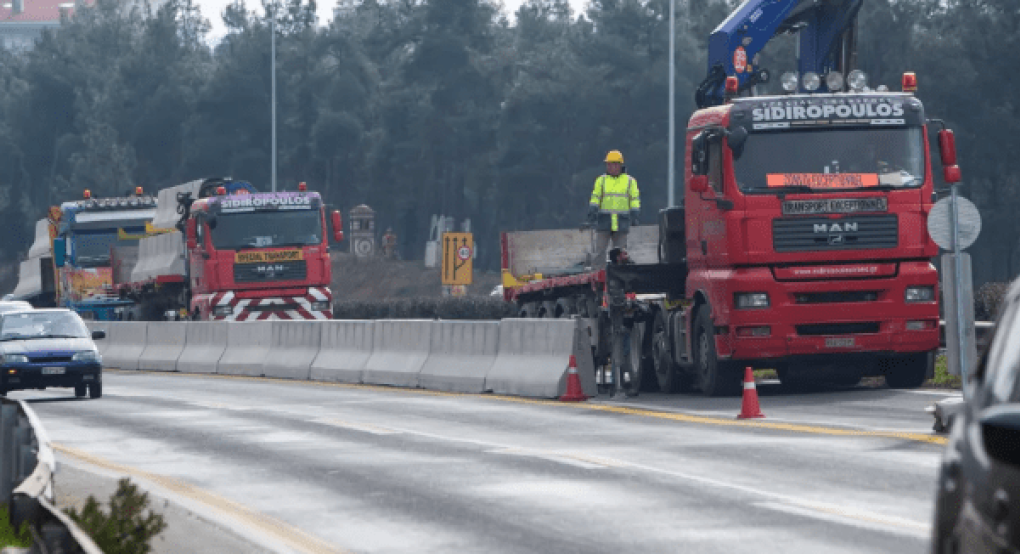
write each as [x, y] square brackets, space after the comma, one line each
[421, 107]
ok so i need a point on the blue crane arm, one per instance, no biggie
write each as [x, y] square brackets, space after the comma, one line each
[823, 26]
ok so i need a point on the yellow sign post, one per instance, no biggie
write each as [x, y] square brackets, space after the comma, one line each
[458, 258]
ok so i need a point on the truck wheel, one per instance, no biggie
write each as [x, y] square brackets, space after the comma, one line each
[667, 374]
[565, 308]
[715, 378]
[528, 310]
[95, 390]
[80, 390]
[908, 372]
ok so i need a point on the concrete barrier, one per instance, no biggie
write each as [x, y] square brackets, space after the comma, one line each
[344, 350]
[247, 348]
[106, 327]
[534, 355]
[460, 356]
[293, 348]
[127, 342]
[164, 343]
[400, 349]
[204, 344]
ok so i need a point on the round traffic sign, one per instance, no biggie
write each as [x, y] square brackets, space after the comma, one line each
[940, 224]
[464, 253]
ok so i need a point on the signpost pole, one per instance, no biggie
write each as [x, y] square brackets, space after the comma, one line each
[958, 295]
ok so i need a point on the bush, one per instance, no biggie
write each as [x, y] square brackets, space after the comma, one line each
[988, 299]
[9, 536]
[125, 529]
[472, 308]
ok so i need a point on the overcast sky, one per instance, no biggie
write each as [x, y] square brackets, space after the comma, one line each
[212, 10]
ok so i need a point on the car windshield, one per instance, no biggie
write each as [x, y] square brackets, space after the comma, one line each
[267, 229]
[93, 249]
[827, 159]
[42, 325]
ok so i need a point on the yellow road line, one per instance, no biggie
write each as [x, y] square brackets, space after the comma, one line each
[624, 410]
[278, 530]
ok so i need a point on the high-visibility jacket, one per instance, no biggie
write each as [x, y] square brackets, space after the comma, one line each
[615, 198]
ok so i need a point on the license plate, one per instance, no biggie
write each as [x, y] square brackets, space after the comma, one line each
[839, 343]
[52, 371]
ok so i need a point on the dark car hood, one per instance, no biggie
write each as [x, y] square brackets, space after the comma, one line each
[46, 345]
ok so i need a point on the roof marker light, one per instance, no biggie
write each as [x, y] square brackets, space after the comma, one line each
[811, 81]
[221, 191]
[732, 85]
[138, 191]
[302, 186]
[910, 82]
[87, 194]
[789, 81]
[858, 80]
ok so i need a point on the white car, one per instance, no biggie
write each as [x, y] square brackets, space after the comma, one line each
[14, 306]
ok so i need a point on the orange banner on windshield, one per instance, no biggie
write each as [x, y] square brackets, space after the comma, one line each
[823, 180]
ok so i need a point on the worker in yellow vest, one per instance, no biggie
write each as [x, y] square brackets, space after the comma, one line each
[615, 206]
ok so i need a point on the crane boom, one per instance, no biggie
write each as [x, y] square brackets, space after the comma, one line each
[827, 35]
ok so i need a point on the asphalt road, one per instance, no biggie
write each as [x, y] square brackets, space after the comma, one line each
[305, 467]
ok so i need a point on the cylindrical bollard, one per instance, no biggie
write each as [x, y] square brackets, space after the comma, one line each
[8, 419]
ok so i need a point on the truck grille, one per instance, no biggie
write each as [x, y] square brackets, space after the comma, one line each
[847, 233]
[838, 329]
[836, 297]
[270, 271]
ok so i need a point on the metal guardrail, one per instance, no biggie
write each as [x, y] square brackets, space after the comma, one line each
[982, 332]
[27, 465]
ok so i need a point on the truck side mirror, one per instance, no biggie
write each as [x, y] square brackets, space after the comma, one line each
[736, 139]
[699, 154]
[338, 226]
[947, 147]
[951, 174]
[60, 252]
[699, 184]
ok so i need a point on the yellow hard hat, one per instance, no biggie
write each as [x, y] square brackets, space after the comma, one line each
[614, 156]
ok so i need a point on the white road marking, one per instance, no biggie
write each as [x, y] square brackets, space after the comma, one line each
[375, 430]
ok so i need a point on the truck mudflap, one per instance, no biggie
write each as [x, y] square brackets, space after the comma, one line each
[315, 304]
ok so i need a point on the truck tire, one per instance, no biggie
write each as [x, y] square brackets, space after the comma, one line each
[908, 372]
[565, 308]
[528, 310]
[632, 363]
[667, 374]
[715, 377]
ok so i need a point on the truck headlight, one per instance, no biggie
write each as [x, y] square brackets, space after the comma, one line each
[751, 300]
[14, 359]
[223, 311]
[919, 294]
[87, 356]
[320, 306]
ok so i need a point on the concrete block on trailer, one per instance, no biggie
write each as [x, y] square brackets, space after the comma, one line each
[400, 350]
[534, 356]
[293, 348]
[204, 345]
[164, 343]
[247, 348]
[126, 345]
[344, 350]
[460, 356]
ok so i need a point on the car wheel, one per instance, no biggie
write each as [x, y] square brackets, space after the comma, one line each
[80, 390]
[715, 377]
[95, 390]
[908, 372]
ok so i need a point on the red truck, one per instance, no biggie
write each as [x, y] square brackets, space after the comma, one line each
[801, 246]
[219, 250]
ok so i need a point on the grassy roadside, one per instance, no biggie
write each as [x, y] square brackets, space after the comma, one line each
[941, 380]
[9, 536]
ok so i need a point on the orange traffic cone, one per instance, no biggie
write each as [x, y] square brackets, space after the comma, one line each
[750, 408]
[574, 391]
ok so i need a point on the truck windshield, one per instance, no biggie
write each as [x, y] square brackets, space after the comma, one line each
[93, 249]
[267, 229]
[827, 159]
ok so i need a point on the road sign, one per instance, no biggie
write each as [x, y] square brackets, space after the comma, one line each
[940, 223]
[458, 257]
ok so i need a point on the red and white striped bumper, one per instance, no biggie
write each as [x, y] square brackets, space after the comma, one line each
[214, 307]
